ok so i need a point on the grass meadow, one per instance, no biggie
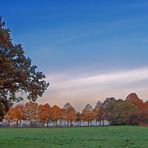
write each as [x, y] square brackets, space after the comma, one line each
[80, 137]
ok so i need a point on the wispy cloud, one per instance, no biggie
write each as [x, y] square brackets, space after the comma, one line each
[86, 89]
[69, 80]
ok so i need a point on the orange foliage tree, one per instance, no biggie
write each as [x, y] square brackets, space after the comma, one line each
[43, 114]
[55, 114]
[30, 111]
[68, 114]
[135, 100]
[15, 114]
[10, 115]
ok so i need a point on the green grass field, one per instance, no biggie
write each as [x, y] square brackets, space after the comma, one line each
[84, 137]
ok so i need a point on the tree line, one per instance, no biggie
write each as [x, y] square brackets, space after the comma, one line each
[131, 111]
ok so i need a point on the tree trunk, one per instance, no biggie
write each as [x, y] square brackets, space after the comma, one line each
[60, 123]
[16, 123]
[30, 123]
[42, 123]
[47, 123]
[96, 123]
[56, 123]
[9, 123]
[71, 123]
[20, 124]
[99, 122]
[103, 122]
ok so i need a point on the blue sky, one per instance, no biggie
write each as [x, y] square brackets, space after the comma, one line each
[83, 39]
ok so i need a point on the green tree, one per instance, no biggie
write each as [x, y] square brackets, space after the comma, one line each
[119, 111]
[17, 75]
[98, 112]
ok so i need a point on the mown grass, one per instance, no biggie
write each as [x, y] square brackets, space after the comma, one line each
[84, 137]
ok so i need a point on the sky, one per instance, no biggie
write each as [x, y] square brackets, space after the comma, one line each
[88, 49]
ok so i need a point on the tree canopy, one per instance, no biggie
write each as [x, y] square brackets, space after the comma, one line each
[17, 74]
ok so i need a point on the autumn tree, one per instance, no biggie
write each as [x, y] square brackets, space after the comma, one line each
[141, 115]
[19, 109]
[145, 113]
[69, 114]
[88, 114]
[30, 111]
[55, 114]
[138, 116]
[15, 114]
[44, 114]
[10, 116]
[17, 74]
[135, 100]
